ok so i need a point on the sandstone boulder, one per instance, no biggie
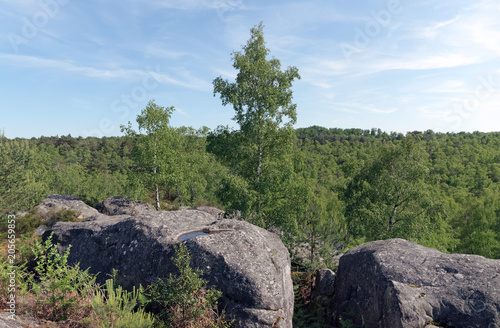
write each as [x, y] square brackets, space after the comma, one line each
[55, 202]
[395, 283]
[118, 205]
[248, 264]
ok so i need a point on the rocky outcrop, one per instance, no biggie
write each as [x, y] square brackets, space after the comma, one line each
[118, 205]
[396, 283]
[55, 202]
[248, 264]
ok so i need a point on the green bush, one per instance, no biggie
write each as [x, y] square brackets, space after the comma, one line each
[59, 287]
[24, 224]
[184, 299]
[117, 308]
[305, 314]
[64, 215]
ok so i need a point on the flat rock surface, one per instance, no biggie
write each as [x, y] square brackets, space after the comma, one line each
[395, 283]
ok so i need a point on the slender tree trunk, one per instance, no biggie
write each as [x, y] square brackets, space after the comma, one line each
[157, 192]
[259, 165]
[192, 196]
[312, 253]
[392, 220]
[312, 248]
[154, 172]
[157, 198]
[179, 195]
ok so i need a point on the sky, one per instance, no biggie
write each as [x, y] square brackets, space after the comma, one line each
[86, 67]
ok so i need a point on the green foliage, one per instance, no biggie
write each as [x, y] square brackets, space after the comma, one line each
[321, 229]
[346, 323]
[6, 286]
[261, 152]
[478, 224]
[389, 198]
[305, 314]
[184, 299]
[456, 193]
[196, 169]
[460, 179]
[117, 308]
[155, 149]
[63, 215]
[20, 186]
[25, 225]
[60, 288]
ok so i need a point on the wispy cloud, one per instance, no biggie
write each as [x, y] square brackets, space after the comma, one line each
[157, 50]
[180, 76]
[366, 108]
[183, 113]
[426, 62]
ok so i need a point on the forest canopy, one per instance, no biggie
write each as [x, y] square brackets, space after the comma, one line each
[352, 177]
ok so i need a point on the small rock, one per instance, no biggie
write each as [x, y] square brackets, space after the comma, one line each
[40, 230]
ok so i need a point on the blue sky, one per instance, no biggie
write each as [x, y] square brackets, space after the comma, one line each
[85, 67]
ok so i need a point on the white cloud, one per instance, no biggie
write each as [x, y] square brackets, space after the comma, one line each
[432, 31]
[159, 51]
[366, 108]
[181, 76]
[421, 63]
[183, 113]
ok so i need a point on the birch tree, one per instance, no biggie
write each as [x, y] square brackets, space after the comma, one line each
[155, 144]
[262, 98]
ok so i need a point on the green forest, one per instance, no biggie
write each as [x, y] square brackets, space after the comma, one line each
[343, 186]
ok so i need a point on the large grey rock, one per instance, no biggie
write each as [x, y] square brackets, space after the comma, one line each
[118, 205]
[396, 283]
[55, 202]
[248, 264]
